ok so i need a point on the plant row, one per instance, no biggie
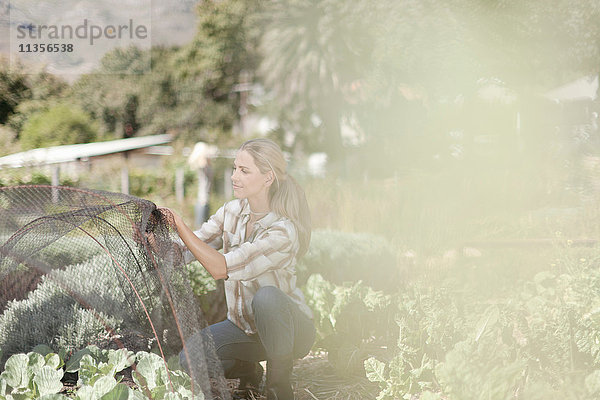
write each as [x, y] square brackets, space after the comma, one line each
[40, 374]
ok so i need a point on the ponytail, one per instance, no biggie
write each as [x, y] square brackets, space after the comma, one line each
[286, 196]
[289, 201]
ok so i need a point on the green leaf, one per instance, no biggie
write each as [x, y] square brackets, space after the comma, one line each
[375, 370]
[187, 394]
[148, 370]
[53, 360]
[3, 386]
[42, 349]
[104, 385]
[489, 319]
[35, 363]
[16, 372]
[136, 395]
[119, 392]
[62, 353]
[85, 392]
[121, 359]
[88, 370]
[48, 381]
[173, 396]
[72, 365]
[100, 388]
[180, 379]
[54, 397]
[173, 363]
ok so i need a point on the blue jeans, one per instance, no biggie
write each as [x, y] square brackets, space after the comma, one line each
[284, 332]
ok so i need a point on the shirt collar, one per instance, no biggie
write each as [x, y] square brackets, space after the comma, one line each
[264, 222]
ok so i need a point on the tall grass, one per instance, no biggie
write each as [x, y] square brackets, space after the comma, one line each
[435, 211]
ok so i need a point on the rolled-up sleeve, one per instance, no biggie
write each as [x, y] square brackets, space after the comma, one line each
[272, 250]
[211, 233]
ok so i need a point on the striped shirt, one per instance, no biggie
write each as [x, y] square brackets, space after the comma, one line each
[266, 258]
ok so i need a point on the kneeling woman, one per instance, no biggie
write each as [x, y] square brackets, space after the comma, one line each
[262, 233]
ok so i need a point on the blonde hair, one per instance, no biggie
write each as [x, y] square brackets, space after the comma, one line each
[286, 197]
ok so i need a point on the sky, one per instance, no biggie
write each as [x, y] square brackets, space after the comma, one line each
[25, 25]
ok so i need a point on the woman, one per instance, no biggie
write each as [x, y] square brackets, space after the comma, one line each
[262, 233]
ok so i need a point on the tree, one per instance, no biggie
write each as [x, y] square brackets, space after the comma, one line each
[59, 125]
[110, 95]
[13, 90]
[8, 141]
[214, 63]
[312, 52]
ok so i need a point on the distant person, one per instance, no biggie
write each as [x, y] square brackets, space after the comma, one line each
[262, 233]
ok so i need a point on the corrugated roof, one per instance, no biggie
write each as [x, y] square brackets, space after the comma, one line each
[73, 152]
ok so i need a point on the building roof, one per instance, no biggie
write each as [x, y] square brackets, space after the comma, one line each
[74, 152]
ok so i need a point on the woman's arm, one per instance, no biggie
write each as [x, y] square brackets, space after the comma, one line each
[211, 259]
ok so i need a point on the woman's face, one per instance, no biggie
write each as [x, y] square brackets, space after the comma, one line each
[248, 182]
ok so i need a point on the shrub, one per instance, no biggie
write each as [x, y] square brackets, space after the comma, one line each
[58, 125]
[52, 316]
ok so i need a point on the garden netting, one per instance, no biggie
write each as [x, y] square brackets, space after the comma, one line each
[81, 267]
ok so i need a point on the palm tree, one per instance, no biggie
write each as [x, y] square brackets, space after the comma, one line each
[312, 50]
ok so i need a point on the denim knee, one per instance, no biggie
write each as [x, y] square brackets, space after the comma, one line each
[268, 298]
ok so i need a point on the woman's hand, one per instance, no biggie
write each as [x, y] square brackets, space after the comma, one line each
[169, 216]
[212, 260]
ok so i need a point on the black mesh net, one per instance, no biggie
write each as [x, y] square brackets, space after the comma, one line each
[81, 267]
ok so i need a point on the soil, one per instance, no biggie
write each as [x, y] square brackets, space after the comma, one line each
[16, 285]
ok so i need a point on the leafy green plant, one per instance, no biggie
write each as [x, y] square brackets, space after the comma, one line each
[97, 369]
[201, 281]
[31, 376]
[534, 337]
[153, 378]
[350, 321]
[397, 378]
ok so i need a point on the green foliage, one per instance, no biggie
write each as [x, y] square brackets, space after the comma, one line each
[481, 370]
[222, 54]
[44, 90]
[200, 279]
[324, 46]
[540, 339]
[13, 89]
[36, 178]
[60, 124]
[144, 183]
[399, 380]
[349, 321]
[428, 323]
[481, 329]
[152, 377]
[50, 315]
[32, 376]
[8, 141]
[92, 363]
